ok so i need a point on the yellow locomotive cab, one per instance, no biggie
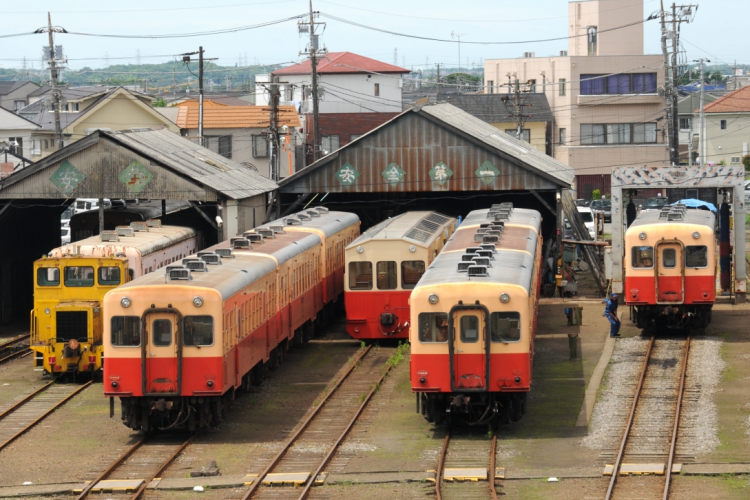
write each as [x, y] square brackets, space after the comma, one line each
[66, 319]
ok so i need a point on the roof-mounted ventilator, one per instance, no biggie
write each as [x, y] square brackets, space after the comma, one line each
[277, 229]
[212, 259]
[153, 223]
[124, 231]
[675, 216]
[179, 274]
[139, 226]
[302, 216]
[464, 266]
[225, 253]
[477, 271]
[254, 238]
[173, 266]
[313, 213]
[292, 221]
[109, 236]
[197, 266]
[491, 238]
[489, 247]
[482, 261]
[473, 249]
[265, 232]
[322, 210]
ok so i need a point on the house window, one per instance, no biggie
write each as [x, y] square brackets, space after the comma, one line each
[723, 124]
[525, 133]
[330, 143]
[16, 145]
[377, 89]
[288, 93]
[260, 146]
[635, 83]
[225, 146]
[19, 105]
[685, 123]
[37, 144]
[491, 86]
[563, 136]
[736, 159]
[562, 86]
[618, 133]
[72, 106]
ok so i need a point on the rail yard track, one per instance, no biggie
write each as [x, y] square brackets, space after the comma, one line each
[14, 348]
[466, 467]
[32, 409]
[645, 460]
[131, 473]
[302, 460]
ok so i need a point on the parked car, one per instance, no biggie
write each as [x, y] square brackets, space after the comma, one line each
[655, 203]
[747, 193]
[588, 219]
[580, 202]
[604, 206]
[64, 235]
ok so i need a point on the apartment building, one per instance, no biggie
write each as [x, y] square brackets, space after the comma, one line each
[602, 92]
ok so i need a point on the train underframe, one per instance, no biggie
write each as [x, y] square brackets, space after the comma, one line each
[483, 408]
[677, 316]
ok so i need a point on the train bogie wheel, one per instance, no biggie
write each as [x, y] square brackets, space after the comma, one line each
[191, 421]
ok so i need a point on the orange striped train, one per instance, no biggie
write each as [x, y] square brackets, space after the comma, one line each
[670, 268]
[384, 265]
[474, 319]
[178, 344]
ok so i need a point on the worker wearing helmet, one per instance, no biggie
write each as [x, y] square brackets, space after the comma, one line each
[610, 311]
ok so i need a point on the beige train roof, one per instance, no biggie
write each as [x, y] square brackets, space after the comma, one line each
[419, 228]
[146, 242]
[691, 216]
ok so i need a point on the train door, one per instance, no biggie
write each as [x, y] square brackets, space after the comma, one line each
[468, 349]
[161, 364]
[670, 273]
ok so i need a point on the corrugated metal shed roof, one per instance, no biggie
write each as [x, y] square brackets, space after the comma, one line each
[493, 138]
[496, 108]
[182, 155]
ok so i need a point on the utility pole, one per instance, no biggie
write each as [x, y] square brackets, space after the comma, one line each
[313, 51]
[437, 65]
[702, 124]
[519, 112]
[458, 35]
[274, 171]
[53, 69]
[201, 60]
[668, 87]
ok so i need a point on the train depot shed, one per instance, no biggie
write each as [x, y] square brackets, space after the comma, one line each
[430, 157]
[141, 163]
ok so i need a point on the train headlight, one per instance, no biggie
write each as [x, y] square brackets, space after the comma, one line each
[46, 311]
[412, 248]
[504, 298]
[696, 235]
[360, 249]
[433, 298]
[125, 302]
[198, 301]
[642, 236]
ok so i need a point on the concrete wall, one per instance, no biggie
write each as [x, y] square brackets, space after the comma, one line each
[242, 215]
[606, 15]
[724, 144]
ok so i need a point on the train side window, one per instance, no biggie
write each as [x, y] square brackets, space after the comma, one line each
[469, 329]
[109, 276]
[696, 256]
[669, 258]
[79, 276]
[161, 332]
[643, 257]
[433, 327]
[198, 330]
[360, 275]
[411, 272]
[126, 331]
[387, 276]
[505, 327]
[48, 276]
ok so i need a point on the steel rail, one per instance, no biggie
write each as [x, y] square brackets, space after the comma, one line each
[493, 491]
[44, 415]
[85, 492]
[16, 354]
[441, 464]
[14, 340]
[334, 448]
[274, 462]
[13, 408]
[673, 446]
[628, 426]
[161, 469]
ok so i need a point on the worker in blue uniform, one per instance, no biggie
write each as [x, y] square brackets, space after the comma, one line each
[610, 311]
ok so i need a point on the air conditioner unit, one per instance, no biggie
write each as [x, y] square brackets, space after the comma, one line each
[529, 54]
[563, 53]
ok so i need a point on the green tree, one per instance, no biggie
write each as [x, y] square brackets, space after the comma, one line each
[746, 162]
[160, 103]
[596, 194]
[463, 78]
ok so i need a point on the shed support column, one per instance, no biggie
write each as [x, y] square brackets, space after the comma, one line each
[740, 265]
[101, 216]
[617, 237]
[560, 231]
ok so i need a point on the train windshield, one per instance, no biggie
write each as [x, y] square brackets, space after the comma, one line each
[109, 276]
[360, 275]
[387, 276]
[411, 271]
[696, 256]
[433, 327]
[643, 257]
[126, 331]
[505, 327]
[198, 331]
[79, 276]
[48, 276]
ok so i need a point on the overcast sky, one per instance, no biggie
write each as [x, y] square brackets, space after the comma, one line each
[495, 20]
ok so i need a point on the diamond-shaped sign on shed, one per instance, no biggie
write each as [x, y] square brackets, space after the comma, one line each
[135, 176]
[67, 178]
[440, 173]
[347, 174]
[487, 172]
[393, 174]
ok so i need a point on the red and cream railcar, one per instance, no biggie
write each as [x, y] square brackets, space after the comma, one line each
[670, 268]
[384, 265]
[179, 344]
[474, 315]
